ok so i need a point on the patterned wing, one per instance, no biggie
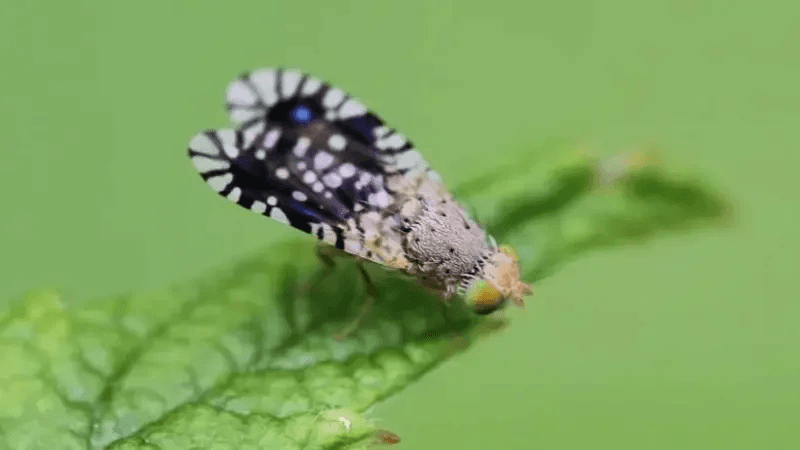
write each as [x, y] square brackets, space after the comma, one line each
[304, 152]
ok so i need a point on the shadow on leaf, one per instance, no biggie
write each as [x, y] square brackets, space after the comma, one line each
[337, 299]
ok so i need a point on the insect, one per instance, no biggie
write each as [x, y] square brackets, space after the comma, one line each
[305, 153]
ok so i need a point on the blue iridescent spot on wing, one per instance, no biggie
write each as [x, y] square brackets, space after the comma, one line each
[301, 114]
[317, 145]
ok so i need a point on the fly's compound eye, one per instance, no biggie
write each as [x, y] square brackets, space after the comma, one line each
[483, 298]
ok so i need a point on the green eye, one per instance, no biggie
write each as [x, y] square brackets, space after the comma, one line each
[483, 297]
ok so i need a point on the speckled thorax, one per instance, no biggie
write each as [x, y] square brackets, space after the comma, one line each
[425, 233]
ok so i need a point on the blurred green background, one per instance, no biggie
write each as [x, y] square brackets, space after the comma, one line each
[688, 342]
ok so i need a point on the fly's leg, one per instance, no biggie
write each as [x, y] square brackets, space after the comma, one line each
[325, 253]
[372, 294]
[372, 291]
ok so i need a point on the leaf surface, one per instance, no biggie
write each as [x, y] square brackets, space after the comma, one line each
[244, 358]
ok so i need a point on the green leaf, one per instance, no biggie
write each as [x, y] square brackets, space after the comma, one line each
[245, 359]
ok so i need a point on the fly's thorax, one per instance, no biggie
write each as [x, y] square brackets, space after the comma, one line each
[380, 235]
[441, 242]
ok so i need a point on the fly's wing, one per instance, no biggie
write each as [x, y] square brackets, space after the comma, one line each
[303, 152]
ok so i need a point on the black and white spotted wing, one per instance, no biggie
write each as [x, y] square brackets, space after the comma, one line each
[303, 152]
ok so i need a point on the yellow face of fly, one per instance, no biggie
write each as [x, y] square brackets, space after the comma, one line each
[500, 282]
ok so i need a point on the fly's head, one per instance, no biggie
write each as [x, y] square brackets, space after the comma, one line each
[500, 282]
